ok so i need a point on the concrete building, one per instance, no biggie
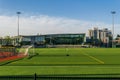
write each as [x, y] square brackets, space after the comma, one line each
[117, 42]
[104, 35]
[94, 33]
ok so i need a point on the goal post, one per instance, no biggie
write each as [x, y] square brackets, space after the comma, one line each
[26, 50]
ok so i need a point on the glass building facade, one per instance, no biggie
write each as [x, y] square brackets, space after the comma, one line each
[65, 39]
[53, 39]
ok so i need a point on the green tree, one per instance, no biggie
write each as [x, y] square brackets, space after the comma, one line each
[8, 40]
[118, 35]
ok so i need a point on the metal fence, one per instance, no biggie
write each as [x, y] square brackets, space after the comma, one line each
[7, 52]
[7, 49]
[64, 77]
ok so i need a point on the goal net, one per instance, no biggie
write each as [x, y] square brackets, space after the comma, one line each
[26, 50]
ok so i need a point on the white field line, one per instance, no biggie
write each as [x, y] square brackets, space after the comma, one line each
[94, 58]
[107, 67]
[84, 67]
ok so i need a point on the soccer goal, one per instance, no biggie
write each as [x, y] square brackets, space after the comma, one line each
[26, 50]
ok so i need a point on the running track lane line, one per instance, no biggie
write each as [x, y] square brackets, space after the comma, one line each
[94, 58]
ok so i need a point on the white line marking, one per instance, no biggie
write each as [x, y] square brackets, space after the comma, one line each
[94, 58]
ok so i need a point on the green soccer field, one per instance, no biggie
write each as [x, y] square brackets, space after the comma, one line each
[66, 61]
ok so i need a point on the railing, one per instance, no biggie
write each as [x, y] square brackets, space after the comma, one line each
[64, 77]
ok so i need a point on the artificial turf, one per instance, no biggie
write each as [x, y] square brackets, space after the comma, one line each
[66, 61]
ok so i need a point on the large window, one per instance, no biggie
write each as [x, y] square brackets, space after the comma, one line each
[65, 39]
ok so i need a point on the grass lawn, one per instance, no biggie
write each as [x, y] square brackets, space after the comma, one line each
[66, 61]
[58, 70]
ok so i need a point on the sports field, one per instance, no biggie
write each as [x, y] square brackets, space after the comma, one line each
[65, 61]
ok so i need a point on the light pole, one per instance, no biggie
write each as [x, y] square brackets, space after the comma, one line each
[113, 12]
[18, 14]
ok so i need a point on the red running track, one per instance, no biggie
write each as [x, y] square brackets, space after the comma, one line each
[12, 57]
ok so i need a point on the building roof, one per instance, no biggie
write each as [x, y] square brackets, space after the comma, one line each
[56, 34]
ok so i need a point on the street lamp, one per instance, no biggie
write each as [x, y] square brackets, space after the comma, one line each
[18, 14]
[113, 12]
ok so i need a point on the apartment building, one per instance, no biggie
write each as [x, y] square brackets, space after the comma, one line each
[104, 35]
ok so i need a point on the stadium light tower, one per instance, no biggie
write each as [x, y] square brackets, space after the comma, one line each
[113, 12]
[18, 14]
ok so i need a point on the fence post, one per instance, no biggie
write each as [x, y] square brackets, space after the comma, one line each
[35, 76]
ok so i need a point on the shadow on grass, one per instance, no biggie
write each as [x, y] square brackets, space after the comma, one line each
[10, 61]
[63, 77]
[34, 55]
[37, 54]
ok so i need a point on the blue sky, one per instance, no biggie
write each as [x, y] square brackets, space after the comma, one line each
[95, 11]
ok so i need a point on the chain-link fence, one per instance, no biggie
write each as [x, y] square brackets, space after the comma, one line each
[7, 52]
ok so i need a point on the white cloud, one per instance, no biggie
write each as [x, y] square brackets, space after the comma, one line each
[46, 25]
